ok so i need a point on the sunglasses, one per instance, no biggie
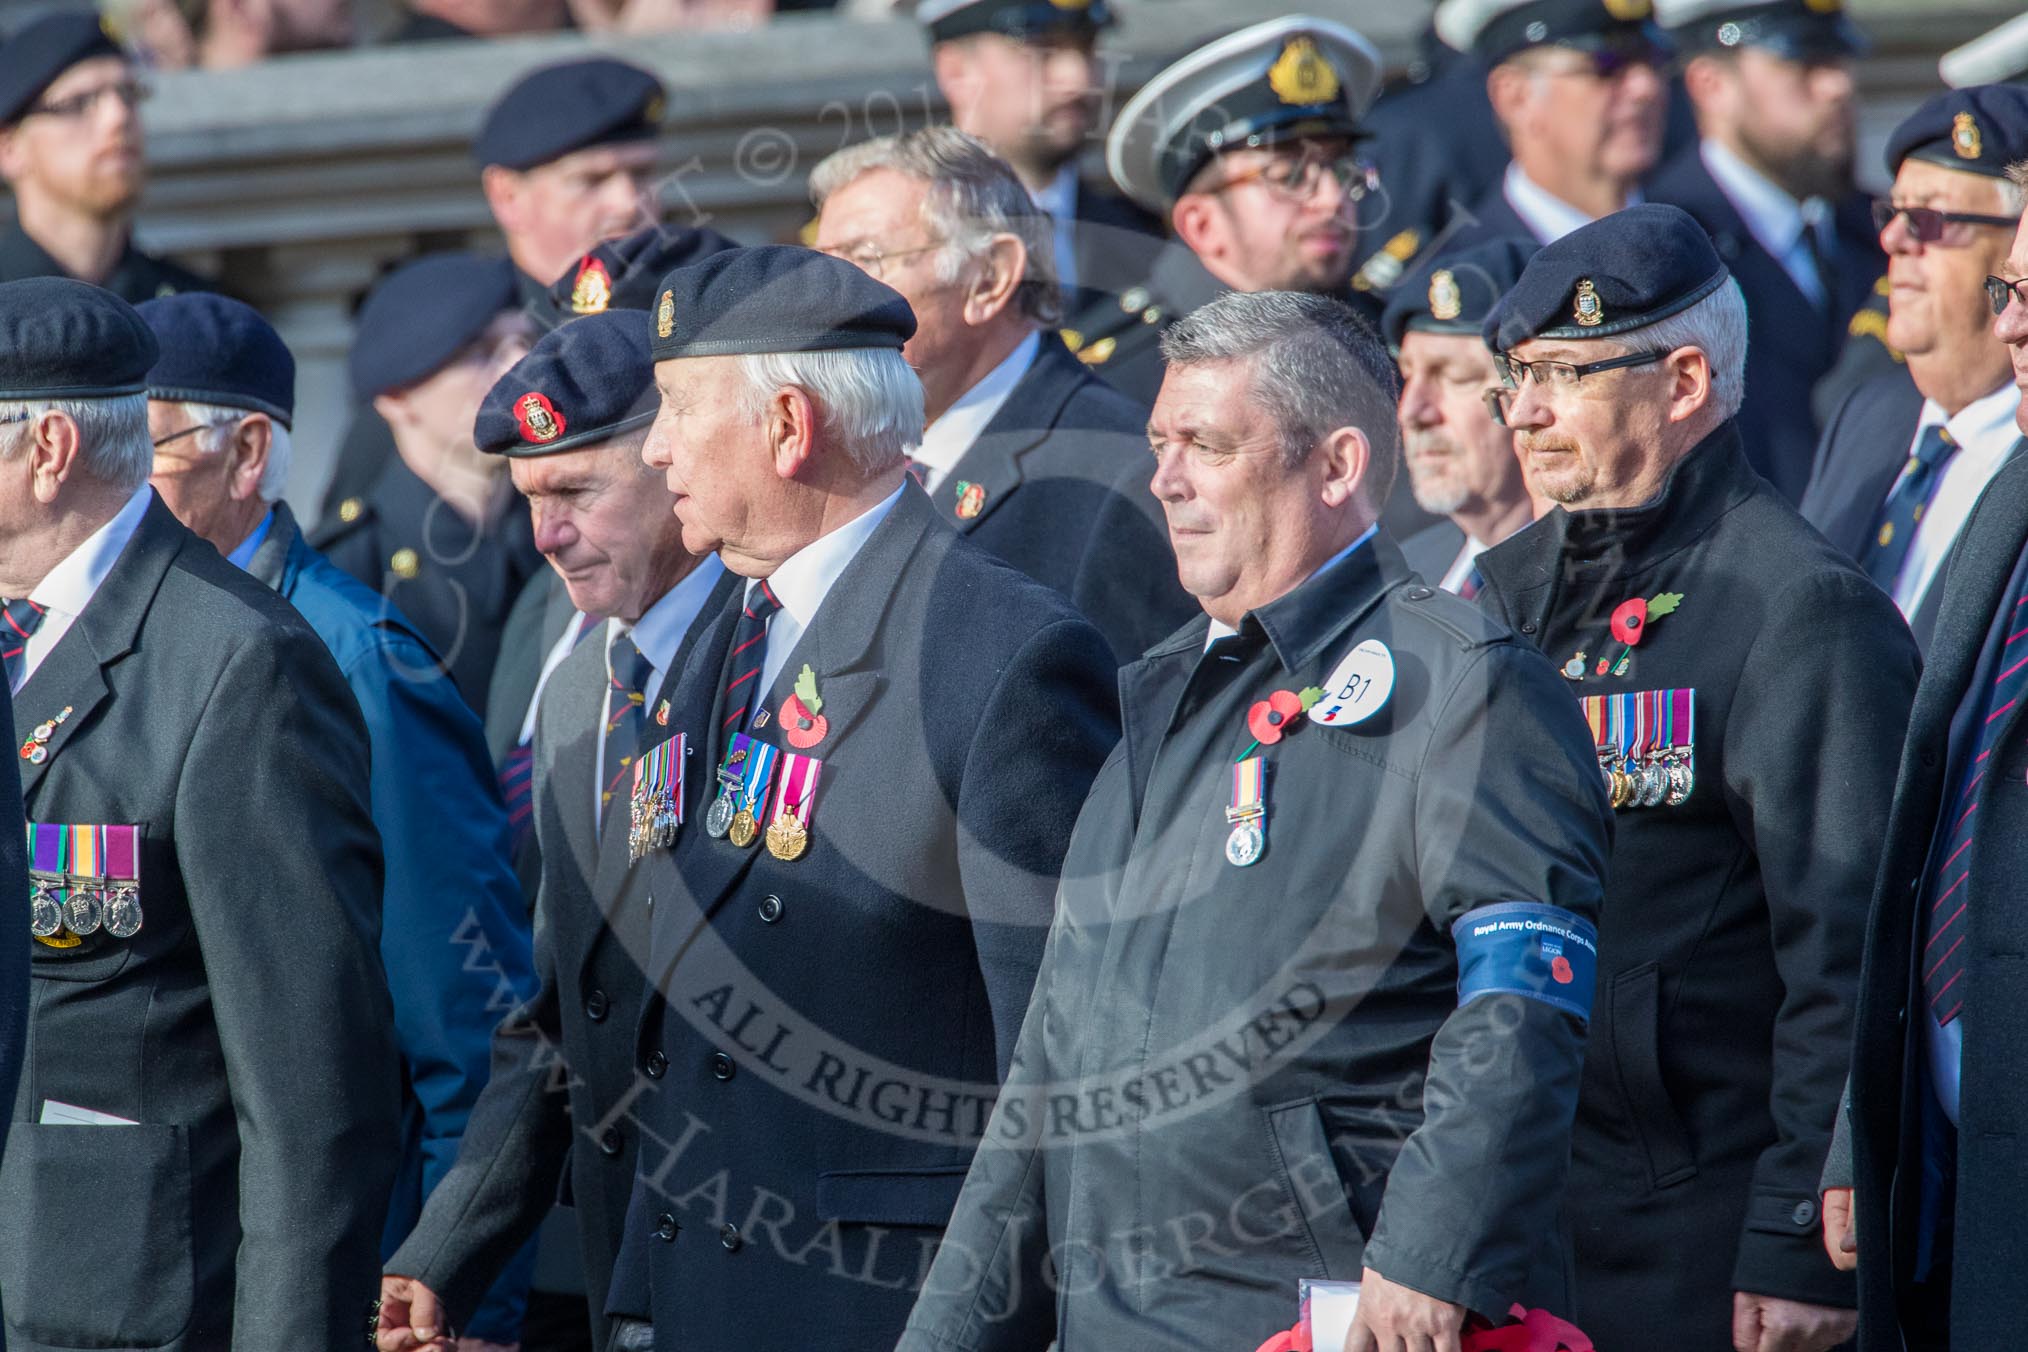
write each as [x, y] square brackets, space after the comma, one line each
[1930, 226]
[2000, 291]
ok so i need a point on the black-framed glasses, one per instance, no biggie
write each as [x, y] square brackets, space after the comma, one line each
[872, 260]
[1930, 226]
[1562, 375]
[132, 93]
[1498, 400]
[2001, 290]
[160, 442]
[1295, 177]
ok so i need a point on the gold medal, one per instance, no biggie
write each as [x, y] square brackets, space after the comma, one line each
[787, 839]
[743, 828]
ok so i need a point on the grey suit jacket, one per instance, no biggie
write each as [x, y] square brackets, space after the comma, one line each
[246, 1028]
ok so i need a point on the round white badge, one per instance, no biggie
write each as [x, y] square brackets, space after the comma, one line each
[1357, 688]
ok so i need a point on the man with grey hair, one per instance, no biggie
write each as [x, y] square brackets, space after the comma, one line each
[1024, 451]
[1377, 1084]
[889, 928]
[206, 897]
[454, 931]
[1747, 689]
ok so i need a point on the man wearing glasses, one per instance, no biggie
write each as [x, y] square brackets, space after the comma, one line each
[1747, 689]
[1247, 145]
[1578, 89]
[1907, 455]
[71, 149]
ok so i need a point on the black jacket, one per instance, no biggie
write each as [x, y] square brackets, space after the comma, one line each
[246, 1027]
[1889, 1062]
[1865, 444]
[824, 1035]
[1233, 1078]
[1065, 469]
[135, 278]
[1791, 341]
[1730, 946]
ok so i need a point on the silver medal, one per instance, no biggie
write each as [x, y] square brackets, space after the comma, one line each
[1682, 779]
[1245, 844]
[83, 912]
[123, 912]
[718, 818]
[45, 917]
[1654, 784]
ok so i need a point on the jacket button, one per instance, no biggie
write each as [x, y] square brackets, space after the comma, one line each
[1527, 626]
[1419, 593]
[721, 1065]
[656, 1065]
[597, 1006]
[728, 1235]
[771, 908]
[1804, 1213]
[665, 1227]
[610, 1141]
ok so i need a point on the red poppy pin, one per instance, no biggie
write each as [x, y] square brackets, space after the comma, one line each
[1629, 625]
[802, 713]
[971, 500]
[1271, 717]
[540, 422]
[1559, 967]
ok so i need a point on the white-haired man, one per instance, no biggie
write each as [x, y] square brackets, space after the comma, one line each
[1024, 450]
[208, 1118]
[832, 1012]
[1747, 688]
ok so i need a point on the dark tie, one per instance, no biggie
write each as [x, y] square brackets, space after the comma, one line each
[1822, 259]
[1947, 925]
[517, 772]
[1888, 549]
[23, 618]
[625, 701]
[749, 651]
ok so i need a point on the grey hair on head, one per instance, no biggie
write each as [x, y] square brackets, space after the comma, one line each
[218, 421]
[112, 435]
[870, 399]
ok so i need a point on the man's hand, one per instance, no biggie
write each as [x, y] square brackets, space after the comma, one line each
[1841, 1241]
[411, 1317]
[1394, 1318]
[1767, 1324]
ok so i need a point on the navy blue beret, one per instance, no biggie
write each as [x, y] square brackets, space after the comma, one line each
[1794, 30]
[625, 273]
[422, 314]
[1623, 271]
[65, 339]
[550, 112]
[1456, 291]
[1017, 19]
[582, 383]
[31, 60]
[1980, 130]
[216, 350]
[775, 298]
[1494, 30]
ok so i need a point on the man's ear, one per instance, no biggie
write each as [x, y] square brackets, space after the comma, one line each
[251, 442]
[502, 189]
[1195, 218]
[953, 69]
[13, 155]
[53, 450]
[790, 420]
[1689, 382]
[1001, 269]
[1508, 86]
[393, 408]
[1344, 457]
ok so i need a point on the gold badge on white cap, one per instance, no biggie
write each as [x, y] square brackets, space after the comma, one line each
[1301, 75]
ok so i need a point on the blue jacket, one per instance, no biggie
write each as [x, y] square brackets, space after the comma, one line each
[455, 931]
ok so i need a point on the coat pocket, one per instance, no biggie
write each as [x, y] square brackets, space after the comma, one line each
[1316, 1189]
[1636, 1033]
[96, 1250]
[923, 1197]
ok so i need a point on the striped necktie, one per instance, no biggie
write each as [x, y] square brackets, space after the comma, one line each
[1888, 549]
[629, 672]
[749, 652]
[1945, 924]
[18, 622]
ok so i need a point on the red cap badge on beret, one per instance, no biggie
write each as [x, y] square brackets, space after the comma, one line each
[540, 422]
[592, 292]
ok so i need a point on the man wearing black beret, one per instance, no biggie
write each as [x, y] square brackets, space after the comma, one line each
[625, 273]
[1906, 455]
[874, 813]
[1747, 688]
[569, 419]
[1460, 461]
[1771, 183]
[71, 149]
[220, 403]
[206, 1133]
[440, 532]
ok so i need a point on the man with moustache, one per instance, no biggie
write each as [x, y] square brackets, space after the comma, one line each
[1929, 1136]
[71, 151]
[1578, 88]
[1771, 183]
[1907, 455]
[1021, 76]
[1747, 688]
[1460, 459]
[1025, 451]
[569, 418]
[1248, 146]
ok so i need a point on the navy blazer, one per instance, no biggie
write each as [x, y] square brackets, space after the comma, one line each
[454, 932]
[1432, 550]
[1065, 470]
[824, 1035]
[1791, 341]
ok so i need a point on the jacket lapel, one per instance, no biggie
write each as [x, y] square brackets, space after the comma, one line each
[1967, 613]
[1030, 413]
[72, 676]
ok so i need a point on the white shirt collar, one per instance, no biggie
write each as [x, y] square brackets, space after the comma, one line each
[659, 632]
[1985, 426]
[1059, 199]
[1774, 217]
[70, 586]
[806, 577]
[1219, 629]
[1542, 211]
[945, 441]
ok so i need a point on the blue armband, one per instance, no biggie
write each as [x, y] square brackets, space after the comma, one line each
[1527, 948]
